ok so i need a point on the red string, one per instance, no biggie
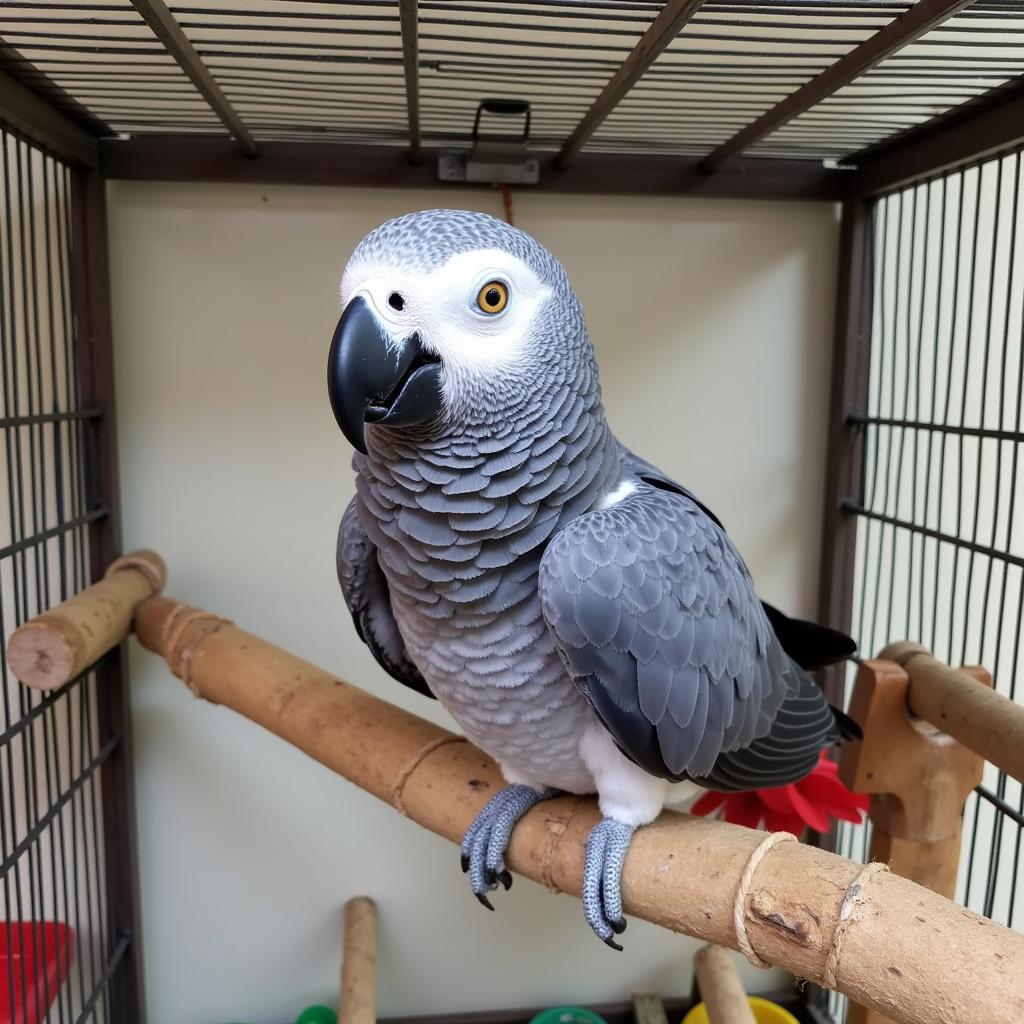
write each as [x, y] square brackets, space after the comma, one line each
[506, 200]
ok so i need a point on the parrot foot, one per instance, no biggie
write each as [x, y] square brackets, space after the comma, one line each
[483, 848]
[607, 846]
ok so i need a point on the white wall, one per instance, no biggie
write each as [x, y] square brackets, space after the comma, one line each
[712, 323]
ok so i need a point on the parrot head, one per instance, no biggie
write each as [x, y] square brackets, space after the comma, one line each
[451, 318]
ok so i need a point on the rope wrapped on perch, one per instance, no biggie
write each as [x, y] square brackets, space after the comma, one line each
[884, 941]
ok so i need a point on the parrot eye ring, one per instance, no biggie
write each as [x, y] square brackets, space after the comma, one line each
[395, 301]
[492, 298]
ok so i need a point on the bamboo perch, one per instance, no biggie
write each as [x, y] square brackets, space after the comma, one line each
[720, 987]
[884, 941]
[359, 963]
[949, 698]
[56, 646]
[60, 644]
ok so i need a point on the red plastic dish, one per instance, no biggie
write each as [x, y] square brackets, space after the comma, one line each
[34, 959]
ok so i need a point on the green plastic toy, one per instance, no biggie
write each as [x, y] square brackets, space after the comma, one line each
[556, 1015]
[317, 1015]
[567, 1015]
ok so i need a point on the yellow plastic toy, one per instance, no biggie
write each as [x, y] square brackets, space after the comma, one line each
[765, 1012]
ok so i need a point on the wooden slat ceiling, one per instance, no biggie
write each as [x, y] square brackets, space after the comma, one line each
[279, 70]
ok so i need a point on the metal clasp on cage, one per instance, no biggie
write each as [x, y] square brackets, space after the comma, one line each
[496, 157]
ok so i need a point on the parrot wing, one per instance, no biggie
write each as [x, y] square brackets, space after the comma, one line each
[655, 616]
[809, 644]
[804, 726]
[369, 601]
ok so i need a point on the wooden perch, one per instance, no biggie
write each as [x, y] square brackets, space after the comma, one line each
[884, 941]
[918, 778]
[359, 963]
[720, 987]
[60, 644]
[951, 699]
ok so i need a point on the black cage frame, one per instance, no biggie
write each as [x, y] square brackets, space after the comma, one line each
[224, 147]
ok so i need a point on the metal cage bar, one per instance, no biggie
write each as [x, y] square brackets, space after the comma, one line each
[66, 810]
[916, 22]
[849, 383]
[90, 277]
[935, 503]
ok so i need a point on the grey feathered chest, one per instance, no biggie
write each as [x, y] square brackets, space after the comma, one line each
[460, 529]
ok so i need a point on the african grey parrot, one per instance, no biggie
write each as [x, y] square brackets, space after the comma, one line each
[583, 617]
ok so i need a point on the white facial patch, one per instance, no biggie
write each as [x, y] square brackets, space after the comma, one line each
[455, 324]
[443, 307]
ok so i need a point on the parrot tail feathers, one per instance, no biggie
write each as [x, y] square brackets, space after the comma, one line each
[810, 645]
[848, 728]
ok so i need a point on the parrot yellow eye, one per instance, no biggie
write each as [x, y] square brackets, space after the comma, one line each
[492, 298]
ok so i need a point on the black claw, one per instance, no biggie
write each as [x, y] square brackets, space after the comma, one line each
[618, 926]
[482, 897]
[611, 942]
[464, 860]
[506, 879]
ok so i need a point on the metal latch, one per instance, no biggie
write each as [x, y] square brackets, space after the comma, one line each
[496, 158]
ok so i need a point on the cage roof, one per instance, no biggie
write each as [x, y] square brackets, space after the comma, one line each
[807, 80]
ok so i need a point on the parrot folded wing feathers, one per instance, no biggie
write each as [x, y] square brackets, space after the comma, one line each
[655, 616]
[369, 602]
[804, 726]
[809, 644]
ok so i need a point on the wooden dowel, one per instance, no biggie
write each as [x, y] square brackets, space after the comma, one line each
[648, 1009]
[985, 721]
[359, 963]
[720, 987]
[55, 647]
[918, 778]
[884, 941]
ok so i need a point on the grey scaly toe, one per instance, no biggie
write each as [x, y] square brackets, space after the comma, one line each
[607, 846]
[485, 842]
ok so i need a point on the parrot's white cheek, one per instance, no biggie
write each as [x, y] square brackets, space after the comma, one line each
[470, 346]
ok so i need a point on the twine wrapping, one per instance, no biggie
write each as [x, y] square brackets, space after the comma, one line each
[414, 763]
[746, 881]
[852, 902]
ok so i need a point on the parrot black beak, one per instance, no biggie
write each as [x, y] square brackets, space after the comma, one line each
[373, 377]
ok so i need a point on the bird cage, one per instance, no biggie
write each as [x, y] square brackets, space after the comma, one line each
[933, 442]
[909, 116]
[67, 809]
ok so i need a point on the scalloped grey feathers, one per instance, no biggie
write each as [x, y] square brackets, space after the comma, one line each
[366, 594]
[656, 618]
[477, 557]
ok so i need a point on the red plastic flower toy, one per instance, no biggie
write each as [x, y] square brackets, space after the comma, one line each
[812, 802]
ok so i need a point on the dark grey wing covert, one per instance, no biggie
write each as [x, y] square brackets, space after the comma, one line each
[804, 726]
[655, 616]
[366, 594]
